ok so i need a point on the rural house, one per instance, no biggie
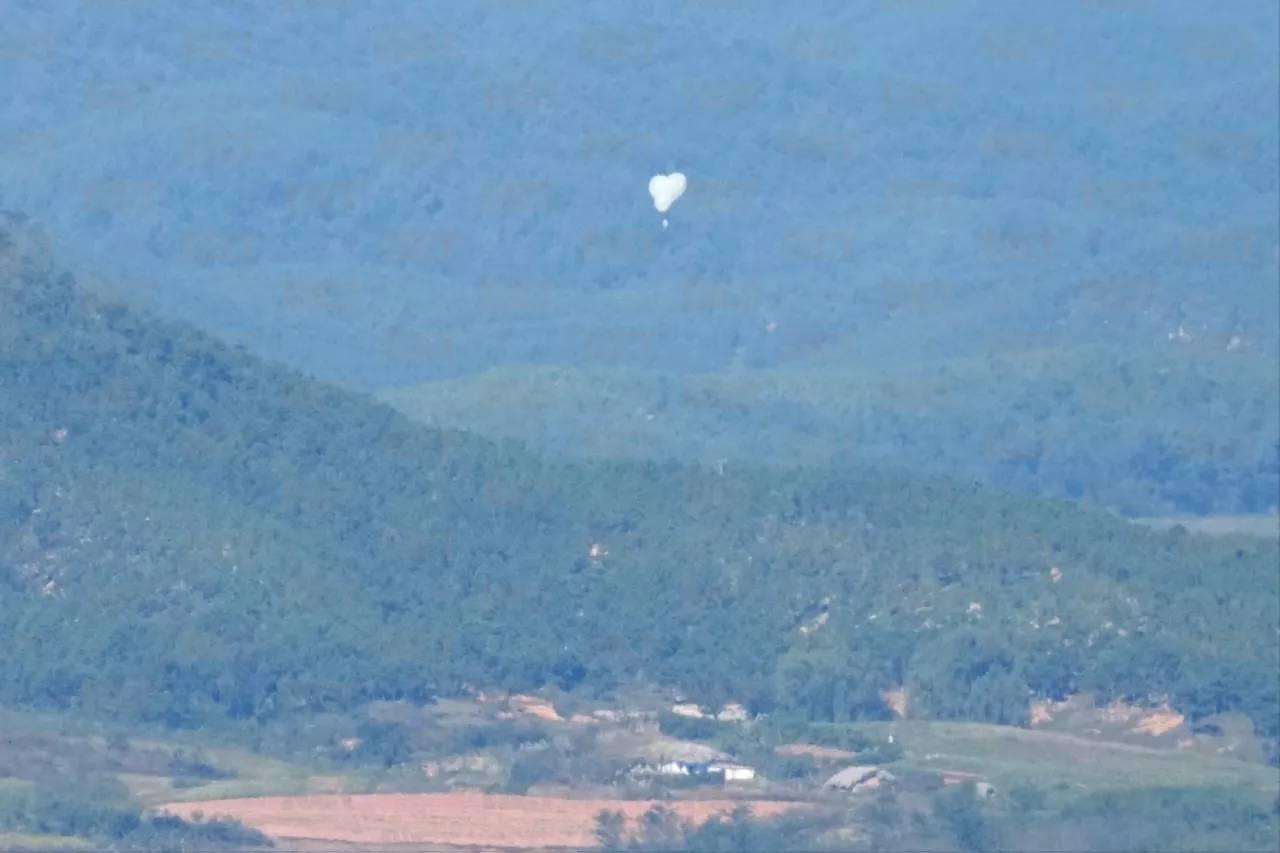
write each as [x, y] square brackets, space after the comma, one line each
[733, 713]
[735, 772]
[662, 768]
[730, 772]
[854, 778]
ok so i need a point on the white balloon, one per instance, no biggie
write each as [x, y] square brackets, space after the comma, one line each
[665, 189]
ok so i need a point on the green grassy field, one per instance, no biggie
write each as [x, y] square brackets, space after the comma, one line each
[44, 740]
[1008, 756]
[15, 842]
[255, 776]
[1220, 525]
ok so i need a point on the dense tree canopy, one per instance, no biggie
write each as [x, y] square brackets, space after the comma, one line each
[187, 532]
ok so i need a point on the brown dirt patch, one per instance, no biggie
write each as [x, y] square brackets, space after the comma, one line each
[1160, 722]
[896, 699]
[461, 818]
[535, 707]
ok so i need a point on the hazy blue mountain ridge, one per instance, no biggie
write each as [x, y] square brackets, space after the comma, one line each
[386, 193]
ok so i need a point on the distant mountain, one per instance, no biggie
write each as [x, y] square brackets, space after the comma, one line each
[394, 192]
[189, 533]
[1145, 431]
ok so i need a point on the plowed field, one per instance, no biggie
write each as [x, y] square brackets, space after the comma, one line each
[462, 819]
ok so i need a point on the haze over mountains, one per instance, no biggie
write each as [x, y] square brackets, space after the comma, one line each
[955, 288]
[386, 193]
[1142, 433]
[1019, 258]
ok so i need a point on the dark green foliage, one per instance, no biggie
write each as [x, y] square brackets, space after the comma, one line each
[504, 733]
[165, 833]
[610, 830]
[194, 765]
[229, 540]
[1202, 819]
[980, 665]
[963, 816]
[102, 811]
[88, 811]
[797, 767]
[660, 830]
[382, 744]
[954, 819]
[1001, 421]
[534, 767]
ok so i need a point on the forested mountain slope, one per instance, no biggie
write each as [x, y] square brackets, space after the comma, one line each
[188, 532]
[1188, 428]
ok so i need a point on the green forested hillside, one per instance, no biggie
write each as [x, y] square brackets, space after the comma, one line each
[188, 533]
[1176, 429]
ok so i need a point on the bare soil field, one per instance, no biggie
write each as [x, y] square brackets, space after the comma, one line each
[460, 819]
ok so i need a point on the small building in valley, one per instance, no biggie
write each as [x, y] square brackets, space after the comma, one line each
[728, 772]
[735, 772]
[854, 778]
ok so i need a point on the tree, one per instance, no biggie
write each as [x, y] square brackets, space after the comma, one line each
[609, 830]
[383, 744]
[960, 811]
[661, 828]
[534, 766]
